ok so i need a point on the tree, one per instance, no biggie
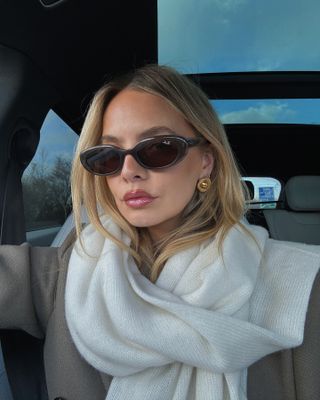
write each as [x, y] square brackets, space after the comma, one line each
[59, 185]
[46, 193]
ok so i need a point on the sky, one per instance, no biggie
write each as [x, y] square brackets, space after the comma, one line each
[239, 35]
[297, 111]
[199, 36]
[55, 132]
[56, 139]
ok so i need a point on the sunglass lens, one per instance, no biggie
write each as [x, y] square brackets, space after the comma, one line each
[160, 153]
[103, 161]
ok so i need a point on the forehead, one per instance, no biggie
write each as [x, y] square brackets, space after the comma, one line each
[132, 112]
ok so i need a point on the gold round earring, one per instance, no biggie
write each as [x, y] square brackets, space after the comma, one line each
[203, 184]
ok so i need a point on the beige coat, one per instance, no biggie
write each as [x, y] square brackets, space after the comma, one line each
[32, 287]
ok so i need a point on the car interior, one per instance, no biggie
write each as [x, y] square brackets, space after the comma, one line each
[53, 56]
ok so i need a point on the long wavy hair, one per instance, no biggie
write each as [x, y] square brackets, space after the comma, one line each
[208, 215]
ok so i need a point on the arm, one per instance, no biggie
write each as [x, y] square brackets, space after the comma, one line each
[28, 279]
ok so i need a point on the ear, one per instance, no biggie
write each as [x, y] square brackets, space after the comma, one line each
[207, 164]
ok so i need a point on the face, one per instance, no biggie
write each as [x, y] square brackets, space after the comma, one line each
[153, 199]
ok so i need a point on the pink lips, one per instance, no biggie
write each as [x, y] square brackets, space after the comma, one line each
[138, 198]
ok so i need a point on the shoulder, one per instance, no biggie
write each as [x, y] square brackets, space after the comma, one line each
[289, 266]
[65, 249]
[284, 251]
[298, 255]
[286, 276]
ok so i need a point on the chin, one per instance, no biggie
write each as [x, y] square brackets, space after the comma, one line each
[140, 224]
[139, 221]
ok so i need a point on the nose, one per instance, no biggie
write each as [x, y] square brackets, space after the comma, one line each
[131, 170]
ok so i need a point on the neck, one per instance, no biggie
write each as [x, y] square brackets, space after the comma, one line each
[159, 232]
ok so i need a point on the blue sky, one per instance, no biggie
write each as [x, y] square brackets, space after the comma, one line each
[56, 139]
[198, 36]
[269, 111]
[239, 35]
[224, 36]
[54, 133]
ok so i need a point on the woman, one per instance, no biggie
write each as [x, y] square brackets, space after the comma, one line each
[166, 294]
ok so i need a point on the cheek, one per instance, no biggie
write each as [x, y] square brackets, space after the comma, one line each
[180, 194]
[180, 188]
[111, 184]
[114, 189]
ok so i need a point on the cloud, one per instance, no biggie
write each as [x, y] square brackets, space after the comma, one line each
[264, 65]
[191, 33]
[263, 113]
[239, 35]
[227, 4]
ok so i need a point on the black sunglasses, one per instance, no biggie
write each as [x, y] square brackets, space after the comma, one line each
[151, 153]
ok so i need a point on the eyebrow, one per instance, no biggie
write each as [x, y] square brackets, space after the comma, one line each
[155, 130]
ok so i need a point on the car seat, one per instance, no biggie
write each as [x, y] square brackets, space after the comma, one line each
[300, 222]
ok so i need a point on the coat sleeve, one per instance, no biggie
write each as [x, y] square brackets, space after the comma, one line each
[28, 278]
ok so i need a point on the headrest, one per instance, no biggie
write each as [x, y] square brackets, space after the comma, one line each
[303, 193]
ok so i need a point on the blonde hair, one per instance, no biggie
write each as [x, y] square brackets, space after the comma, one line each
[208, 215]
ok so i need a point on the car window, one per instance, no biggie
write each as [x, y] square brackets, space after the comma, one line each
[288, 111]
[264, 192]
[239, 35]
[46, 186]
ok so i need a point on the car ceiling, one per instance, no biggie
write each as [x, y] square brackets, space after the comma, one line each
[260, 85]
[78, 44]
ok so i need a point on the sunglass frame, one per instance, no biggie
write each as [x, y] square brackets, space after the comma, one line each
[182, 151]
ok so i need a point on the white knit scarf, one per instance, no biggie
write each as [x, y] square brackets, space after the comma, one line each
[193, 333]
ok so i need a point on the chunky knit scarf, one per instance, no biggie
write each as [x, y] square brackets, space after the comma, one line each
[193, 333]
